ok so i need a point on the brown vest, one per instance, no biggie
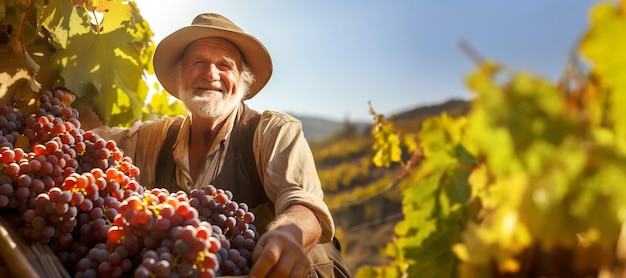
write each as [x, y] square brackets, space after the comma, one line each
[238, 174]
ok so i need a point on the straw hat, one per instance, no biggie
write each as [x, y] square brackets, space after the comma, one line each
[170, 50]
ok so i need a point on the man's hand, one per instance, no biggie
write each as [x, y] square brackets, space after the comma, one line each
[282, 250]
[279, 254]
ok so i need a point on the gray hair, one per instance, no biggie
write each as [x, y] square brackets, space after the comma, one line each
[245, 80]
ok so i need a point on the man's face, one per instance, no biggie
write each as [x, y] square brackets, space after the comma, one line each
[209, 78]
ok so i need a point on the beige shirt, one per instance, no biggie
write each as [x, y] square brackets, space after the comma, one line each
[283, 158]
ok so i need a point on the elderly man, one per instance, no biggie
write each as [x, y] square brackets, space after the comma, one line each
[212, 66]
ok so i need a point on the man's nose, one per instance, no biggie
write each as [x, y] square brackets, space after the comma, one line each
[213, 73]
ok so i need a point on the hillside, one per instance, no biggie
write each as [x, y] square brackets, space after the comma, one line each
[316, 128]
[365, 207]
[453, 106]
[319, 128]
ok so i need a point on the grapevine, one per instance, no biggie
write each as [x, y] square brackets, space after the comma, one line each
[77, 193]
[530, 182]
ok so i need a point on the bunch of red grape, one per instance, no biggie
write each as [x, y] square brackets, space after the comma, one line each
[160, 234]
[78, 193]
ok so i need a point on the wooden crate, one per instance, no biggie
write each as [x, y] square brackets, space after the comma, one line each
[21, 259]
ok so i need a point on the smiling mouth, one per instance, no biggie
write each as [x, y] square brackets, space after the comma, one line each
[201, 89]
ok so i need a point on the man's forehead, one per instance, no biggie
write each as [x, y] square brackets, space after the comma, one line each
[215, 42]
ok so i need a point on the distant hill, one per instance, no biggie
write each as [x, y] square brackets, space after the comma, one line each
[318, 127]
[453, 106]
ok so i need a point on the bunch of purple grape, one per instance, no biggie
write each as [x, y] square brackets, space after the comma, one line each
[232, 224]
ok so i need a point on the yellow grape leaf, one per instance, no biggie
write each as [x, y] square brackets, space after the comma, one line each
[603, 136]
[480, 81]
[509, 265]
[392, 250]
[116, 14]
[478, 181]
[607, 33]
[410, 142]
[387, 148]
[570, 157]
[389, 272]
[495, 142]
[394, 148]
[367, 272]
[513, 234]
[541, 92]
[478, 240]
[537, 156]
[102, 5]
[461, 252]
[434, 138]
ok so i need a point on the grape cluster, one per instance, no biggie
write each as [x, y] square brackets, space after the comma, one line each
[232, 224]
[78, 193]
[157, 234]
[10, 125]
[52, 106]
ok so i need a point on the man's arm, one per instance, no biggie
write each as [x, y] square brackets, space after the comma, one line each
[287, 169]
[302, 223]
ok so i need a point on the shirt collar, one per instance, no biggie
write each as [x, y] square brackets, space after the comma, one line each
[181, 146]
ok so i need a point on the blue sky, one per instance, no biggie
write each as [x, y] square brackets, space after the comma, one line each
[333, 57]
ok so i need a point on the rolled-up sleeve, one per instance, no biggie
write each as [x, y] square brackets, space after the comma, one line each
[287, 168]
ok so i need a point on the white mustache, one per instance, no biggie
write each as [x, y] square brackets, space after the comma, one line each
[213, 86]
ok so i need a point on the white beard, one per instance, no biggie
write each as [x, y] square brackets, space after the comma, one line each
[212, 106]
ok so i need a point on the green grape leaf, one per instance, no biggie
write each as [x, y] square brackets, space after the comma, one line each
[435, 257]
[464, 155]
[421, 192]
[105, 63]
[13, 15]
[457, 188]
[62, 20]
[417, 219]
[440, 142]
[163, 104]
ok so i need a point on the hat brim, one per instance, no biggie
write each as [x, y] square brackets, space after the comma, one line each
[170, 50]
